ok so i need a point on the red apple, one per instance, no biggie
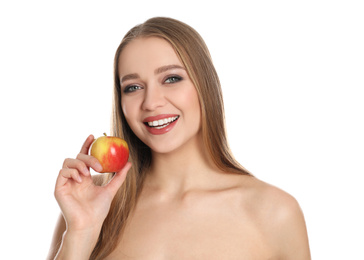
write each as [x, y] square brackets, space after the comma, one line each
[112, 152]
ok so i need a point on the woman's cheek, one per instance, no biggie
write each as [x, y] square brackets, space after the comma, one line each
[129, 105]
[129, 112]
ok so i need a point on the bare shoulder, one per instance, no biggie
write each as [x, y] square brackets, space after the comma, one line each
[264, 201]
[271, 199]
[278, 215]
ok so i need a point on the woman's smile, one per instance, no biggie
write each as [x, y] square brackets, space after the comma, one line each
[160, 124]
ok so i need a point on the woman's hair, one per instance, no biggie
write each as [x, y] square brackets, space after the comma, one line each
[194, 55]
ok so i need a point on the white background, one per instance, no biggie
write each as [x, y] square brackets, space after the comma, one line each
[292, 74]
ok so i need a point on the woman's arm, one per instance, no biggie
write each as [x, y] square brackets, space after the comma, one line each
[84, 205]
[76, 244]
[282, 221]
[64, 244]
[293, 232]
[286, 225]
[57, 238]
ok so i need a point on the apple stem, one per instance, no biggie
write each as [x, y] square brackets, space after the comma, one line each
[105, 134]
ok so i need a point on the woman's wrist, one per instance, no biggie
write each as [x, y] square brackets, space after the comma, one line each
[78, 244]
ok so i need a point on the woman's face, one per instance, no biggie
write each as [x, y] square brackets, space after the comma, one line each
[159, 100]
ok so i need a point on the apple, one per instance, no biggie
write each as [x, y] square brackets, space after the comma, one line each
[112, 153]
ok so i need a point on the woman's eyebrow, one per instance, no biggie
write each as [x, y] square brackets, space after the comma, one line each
[168, 67]
[129, 76]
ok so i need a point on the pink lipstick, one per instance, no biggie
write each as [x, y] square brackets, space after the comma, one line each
[160, 124]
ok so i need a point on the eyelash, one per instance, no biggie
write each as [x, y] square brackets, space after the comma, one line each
[131, 88]
[173, 79]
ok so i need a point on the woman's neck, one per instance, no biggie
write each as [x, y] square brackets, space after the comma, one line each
[183, 169]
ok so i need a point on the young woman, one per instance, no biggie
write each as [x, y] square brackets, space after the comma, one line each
[185, 197]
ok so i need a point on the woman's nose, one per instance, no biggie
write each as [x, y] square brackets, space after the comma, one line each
[154, 98]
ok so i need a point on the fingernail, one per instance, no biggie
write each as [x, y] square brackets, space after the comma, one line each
[79, 179]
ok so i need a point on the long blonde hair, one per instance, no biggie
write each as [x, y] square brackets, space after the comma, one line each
[194, 54]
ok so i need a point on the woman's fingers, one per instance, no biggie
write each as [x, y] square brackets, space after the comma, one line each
[65, 175]
[80, 165]
[87, 159]
[90, 161]
[87, 144]
[118, 179]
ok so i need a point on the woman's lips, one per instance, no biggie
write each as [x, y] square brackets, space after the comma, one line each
[160, 124]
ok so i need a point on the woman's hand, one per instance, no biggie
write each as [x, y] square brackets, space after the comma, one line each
[85, 205]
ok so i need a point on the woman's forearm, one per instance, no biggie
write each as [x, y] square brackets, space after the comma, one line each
[77, 245]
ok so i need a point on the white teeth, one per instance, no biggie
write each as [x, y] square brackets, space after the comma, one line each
[162, 122]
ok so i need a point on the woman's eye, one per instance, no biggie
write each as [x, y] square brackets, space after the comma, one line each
[131, 88]
[173, 79]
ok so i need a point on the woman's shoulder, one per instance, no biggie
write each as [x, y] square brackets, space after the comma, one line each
[277, 214]
[268, 201]
[258, 197]
[269, 193]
